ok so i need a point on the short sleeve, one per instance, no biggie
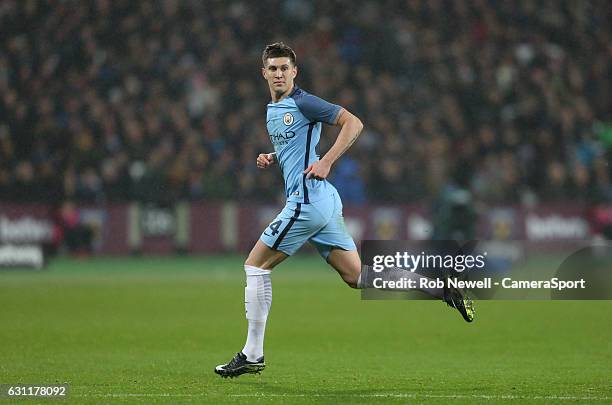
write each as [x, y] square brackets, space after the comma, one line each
[317, 109]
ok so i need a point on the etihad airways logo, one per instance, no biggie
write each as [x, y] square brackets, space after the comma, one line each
[282, 138]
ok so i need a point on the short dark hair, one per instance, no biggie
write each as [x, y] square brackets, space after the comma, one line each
[278, 50]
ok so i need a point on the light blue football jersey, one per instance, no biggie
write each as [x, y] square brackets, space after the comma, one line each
[294, 125]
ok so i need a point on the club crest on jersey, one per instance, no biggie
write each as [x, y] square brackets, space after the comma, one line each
[288, 119]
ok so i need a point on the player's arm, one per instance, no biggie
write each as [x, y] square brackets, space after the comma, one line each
[265, 160]
[350, 128]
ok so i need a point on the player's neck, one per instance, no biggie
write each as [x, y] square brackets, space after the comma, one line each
[276, 97]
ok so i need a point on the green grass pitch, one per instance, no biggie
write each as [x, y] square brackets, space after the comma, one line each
[150, 330]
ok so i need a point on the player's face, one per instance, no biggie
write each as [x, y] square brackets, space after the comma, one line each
[279, 72]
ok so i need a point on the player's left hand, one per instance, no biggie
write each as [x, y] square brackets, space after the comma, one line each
[318, 170]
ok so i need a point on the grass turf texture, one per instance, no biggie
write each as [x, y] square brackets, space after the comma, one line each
[150, 330]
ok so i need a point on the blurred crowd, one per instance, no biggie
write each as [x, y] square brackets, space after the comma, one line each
[113, 100]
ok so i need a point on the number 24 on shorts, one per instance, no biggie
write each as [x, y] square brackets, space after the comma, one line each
[274, 227]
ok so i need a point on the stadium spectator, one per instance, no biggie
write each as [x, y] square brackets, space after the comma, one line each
[117, 100]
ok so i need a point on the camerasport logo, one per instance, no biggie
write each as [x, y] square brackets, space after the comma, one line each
[25, 230]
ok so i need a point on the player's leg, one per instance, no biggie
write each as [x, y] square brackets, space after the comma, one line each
[348, 265]
[337, 247]
[263, 257]
[283, 237]
[355, 274]
[258, 296]
[257, 302]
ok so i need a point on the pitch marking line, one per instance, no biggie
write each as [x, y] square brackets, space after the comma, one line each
[382, 395]
[446, 396]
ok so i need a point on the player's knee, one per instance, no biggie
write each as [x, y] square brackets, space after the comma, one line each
[254, 260]
[266, 263]
[351, 279]
[260, 264]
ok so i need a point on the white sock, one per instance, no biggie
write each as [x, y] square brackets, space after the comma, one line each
[257, 302]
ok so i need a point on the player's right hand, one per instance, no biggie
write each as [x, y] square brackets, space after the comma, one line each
[264, 160]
